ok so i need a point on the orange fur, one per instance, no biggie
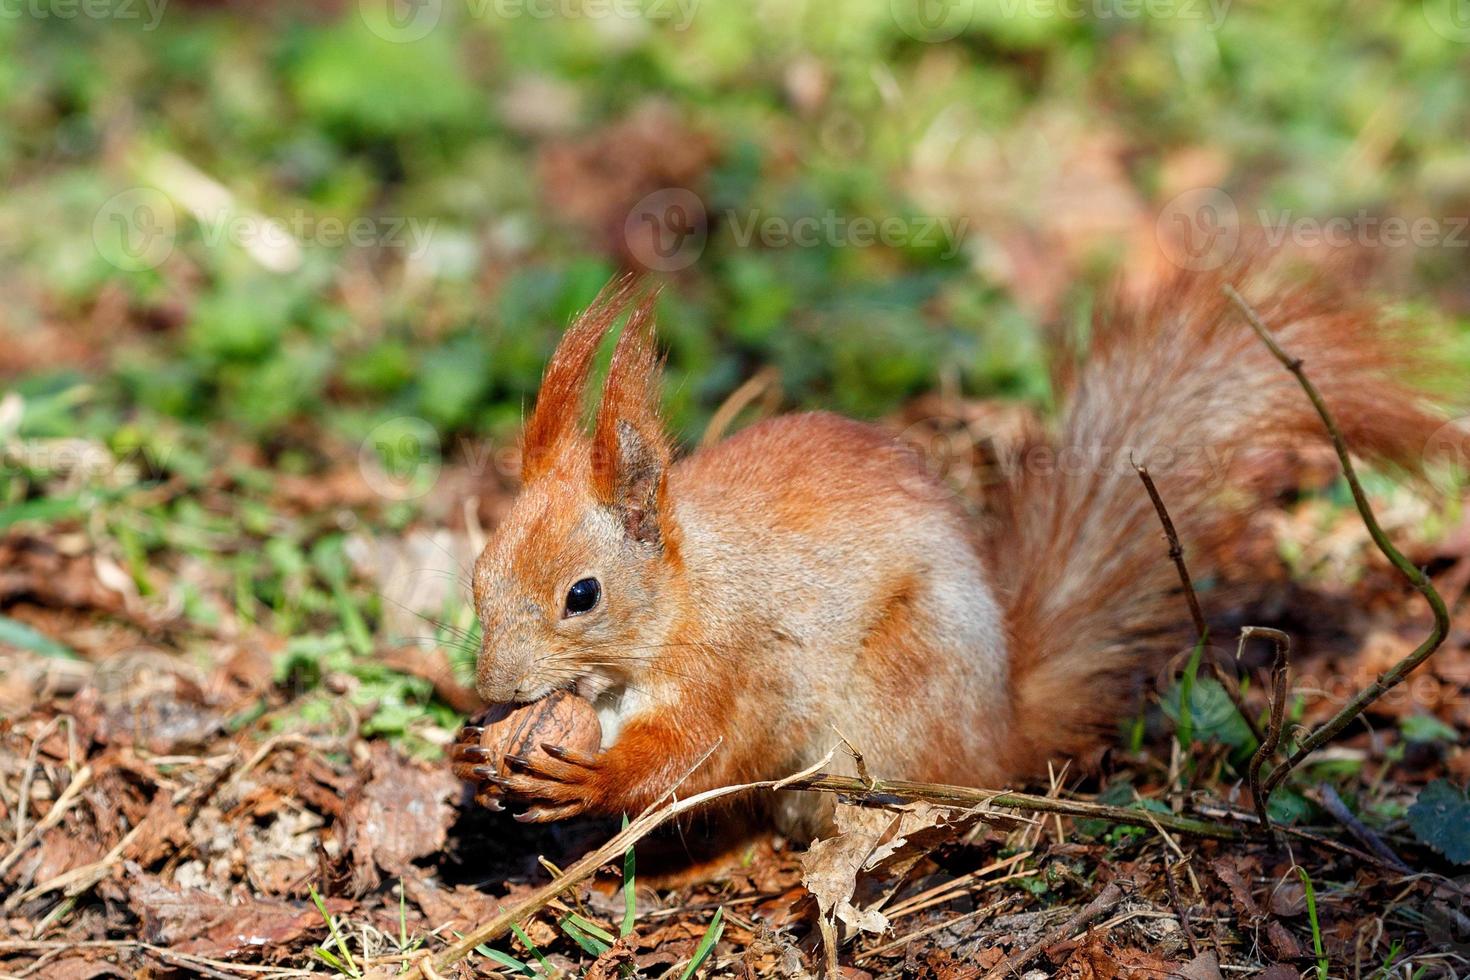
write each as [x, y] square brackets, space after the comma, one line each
[1089, 596]
[807, 575]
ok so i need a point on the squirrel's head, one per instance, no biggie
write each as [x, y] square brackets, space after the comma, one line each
[572, 587]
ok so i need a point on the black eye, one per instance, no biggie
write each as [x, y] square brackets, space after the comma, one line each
[582, 596]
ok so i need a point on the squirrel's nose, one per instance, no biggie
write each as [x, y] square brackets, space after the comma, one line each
[497, 682]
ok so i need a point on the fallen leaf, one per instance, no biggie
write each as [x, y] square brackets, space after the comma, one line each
[193, 921]
[400, 814]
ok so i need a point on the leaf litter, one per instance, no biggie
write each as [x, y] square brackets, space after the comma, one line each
[176, 812]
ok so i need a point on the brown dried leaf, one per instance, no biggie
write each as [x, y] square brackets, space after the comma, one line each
[163, 831]
[83, 967]
[193, 921]
[1205, 966]
[449, 908]
[400, 814]
[833, 869]
[1240, 893]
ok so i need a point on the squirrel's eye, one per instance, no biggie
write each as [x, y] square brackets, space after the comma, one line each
[582, 596]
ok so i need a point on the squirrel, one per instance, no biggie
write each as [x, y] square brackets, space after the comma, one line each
[729, 613]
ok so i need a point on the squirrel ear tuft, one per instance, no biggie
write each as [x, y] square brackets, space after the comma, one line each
[630, 451]
[558, 413]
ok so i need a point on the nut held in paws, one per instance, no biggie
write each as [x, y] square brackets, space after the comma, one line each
[561, 719]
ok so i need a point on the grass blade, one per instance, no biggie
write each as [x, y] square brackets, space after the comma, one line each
[579, 929]
[533, 948]
[44, 509]
[331, 921]
[706, 945]
[505, 960]
[17, 634]
[1322, 963]
[630, 892]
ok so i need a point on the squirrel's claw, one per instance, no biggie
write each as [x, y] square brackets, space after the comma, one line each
[471, 753]
[546, 814]
[570, 756]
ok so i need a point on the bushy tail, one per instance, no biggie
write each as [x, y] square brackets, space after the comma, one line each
[1182, 384]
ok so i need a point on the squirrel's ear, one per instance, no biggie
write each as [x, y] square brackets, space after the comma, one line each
[630, 452]
[558, 413]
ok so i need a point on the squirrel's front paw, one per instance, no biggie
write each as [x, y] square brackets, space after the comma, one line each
[466, 755]
[559, 784]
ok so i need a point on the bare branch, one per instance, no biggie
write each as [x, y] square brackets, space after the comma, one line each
[1268, 745]
[1201, 630]
[1416, 576]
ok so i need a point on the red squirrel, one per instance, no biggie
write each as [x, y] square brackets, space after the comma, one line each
[729, 612]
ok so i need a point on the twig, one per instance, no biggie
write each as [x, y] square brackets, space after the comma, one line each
[1334, 805]
[1176, 550]
[886, 792]
[78, 880]
[1260, 797]
[1179, 909]
[1105, 902]
[53, 816]
[24, 799]
[753, 388]
[952, 889]
[1416, 577]
[1201, 629]
[584, 868]
[903, 941]
[851, 789]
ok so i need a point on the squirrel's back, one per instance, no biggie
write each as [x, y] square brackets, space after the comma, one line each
[860, 583]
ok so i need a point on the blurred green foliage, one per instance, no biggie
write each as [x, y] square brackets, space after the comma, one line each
[297, 110]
